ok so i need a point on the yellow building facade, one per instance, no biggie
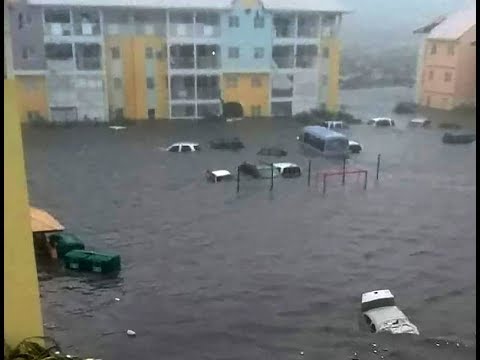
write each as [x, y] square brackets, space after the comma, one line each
[21, 309]
[252, 91]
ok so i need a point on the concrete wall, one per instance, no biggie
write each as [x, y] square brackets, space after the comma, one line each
[27, 33]
[466, 84]
[21, 299]
[32, 95]
[246, 37]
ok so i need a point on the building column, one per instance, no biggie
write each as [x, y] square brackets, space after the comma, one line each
[21, 309]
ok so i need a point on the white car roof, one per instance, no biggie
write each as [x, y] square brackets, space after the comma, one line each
[351, 142]
[386, 313]
[284, 165]
[381, 118]
[418, 120]
[220, 173]
[184, 143]
[375, 295]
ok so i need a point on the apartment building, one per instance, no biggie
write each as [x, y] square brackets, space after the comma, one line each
[101, 60]
[446, 66]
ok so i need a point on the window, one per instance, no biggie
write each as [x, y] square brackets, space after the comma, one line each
[259, 53]
[59, 16]
[58, 51]
[233, 21]
[149, 53]
[186, 148]
[232, 81]
[448, 76]
[259, 22]
[115, 52]
[433, 49]
[151, 114]
[117, 83]
[256, 81]
[159, 55]
[451, 49]
[20, 20]
[119, 113]
[430, 75]
[256, 110]
[174, 148]
[233, 52]
[150, 83]
[325, 52]
[27, 52]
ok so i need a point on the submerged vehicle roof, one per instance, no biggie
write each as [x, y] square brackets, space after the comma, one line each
[284, 165]
[185, 143]
[376, 294]
[219, 173]
[322, 132]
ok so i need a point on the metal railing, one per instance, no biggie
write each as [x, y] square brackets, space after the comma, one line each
[208, 62]
[178, 62]
[284, 62]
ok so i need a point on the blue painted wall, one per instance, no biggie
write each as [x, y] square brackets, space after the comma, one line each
[246, 37]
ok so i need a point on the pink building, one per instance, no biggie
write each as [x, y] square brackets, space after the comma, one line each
[446, 67]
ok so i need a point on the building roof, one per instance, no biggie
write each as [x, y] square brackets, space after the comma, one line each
[275, 5]
[450, 27]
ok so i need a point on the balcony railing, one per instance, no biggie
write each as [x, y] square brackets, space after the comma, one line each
[89, 63]
[61, 65]
[182, 62]
[58, 29]
[282, 93]
[208, 62]
[208, 93]
[284, 62]
[306, 62]
[181, 30]
[284, 32]
[87, 29]
[207, 31]
[308, 31]
[183, 94]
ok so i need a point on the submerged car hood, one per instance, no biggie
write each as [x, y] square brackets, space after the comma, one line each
[391, 319]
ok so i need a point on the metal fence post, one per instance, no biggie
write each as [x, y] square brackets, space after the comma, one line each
[344, 165]
[378, 165]
[324, 183]
[365, 183]
[271, 178]
[238, 179]
[309, 170]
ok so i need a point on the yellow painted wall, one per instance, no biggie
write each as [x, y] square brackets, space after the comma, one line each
[32, 95]
[247, 95]
[333, 95]
[21, 298]
[132, 52]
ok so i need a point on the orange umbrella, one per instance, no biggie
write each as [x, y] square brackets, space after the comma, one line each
[42, 221]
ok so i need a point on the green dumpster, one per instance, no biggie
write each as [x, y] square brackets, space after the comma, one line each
[65, 242]
[82, 260]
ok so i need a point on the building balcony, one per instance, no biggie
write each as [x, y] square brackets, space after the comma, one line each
[183, 110]
[178, 62]
[208, 62]
[208, 93]
[87, 29]
[58, 29]
[306, 62]
[284, 62]
[282, 93]
[85, 63]
[284, 26]
[181, 30]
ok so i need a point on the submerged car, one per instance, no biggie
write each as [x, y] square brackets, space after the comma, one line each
[381, 122]
[419, 122]
[449, 138]
[258, 171]
[272, 151]
[218, 175]
[334, 125]
[288, 170]
[382, 315]
[227, 144]
[184, 147]
[354, 147]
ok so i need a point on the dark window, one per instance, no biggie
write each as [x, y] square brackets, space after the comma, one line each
[115, 52]
[259, 53]
[119, 113]
[20, 20]
[196, 147]
[186, 148]
[259, 22]
[233, 21]
[430, 75]
[433, 49]
[151, 114]
[150, 83]
[378, 303]
[233, 52]
[149, 53]
[159, 55]
[58, 51]
[174, 148]
[448, 76]
[117, 83]
[57, 16]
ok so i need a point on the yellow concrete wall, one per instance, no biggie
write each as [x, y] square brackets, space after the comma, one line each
[247, 95]
[333, 95]
[21, 309]
[32, 95]
[132, 52]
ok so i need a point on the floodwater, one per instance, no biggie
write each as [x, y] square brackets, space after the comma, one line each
[212, 274]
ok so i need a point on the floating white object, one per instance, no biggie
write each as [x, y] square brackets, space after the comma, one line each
[301, 353]
[117, 299]
[131, 333]
[117, 127]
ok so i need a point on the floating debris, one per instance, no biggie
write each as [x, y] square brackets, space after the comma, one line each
[131, 333]
[302, 353]
[458, 345]
[437, 344]
[117, 127]
[117, 299]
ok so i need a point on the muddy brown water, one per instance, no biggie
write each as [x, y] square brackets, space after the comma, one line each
[209, 274]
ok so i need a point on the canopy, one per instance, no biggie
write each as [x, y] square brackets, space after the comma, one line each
[42, 221]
